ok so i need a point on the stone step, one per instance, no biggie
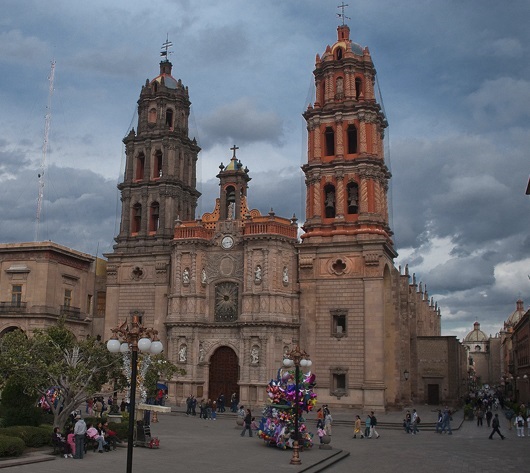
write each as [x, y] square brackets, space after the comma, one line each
[334, 458]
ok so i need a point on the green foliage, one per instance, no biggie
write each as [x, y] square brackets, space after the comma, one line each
[11, 446]
[30, 435]
[52, 358]
[468, 412]
[18, 407]
[160, 368]
[121, 429]
[27, 415]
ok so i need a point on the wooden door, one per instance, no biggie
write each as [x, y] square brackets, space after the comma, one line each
[224, 374]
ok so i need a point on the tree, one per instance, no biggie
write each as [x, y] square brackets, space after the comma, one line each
[160, 368]
[51, 364]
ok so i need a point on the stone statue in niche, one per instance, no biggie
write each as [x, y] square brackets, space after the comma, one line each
[203, 276]
[285, 277]
[183, 354]
[231, 210]
[257, 274]
[201, 353]
[186, 276]
[254, 355]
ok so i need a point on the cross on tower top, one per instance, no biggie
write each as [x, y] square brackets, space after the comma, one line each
[342, 15]
[166, 46]
[233, 148]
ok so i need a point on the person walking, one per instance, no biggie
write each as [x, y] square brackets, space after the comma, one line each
[328, 420]
[519, 425]
[446, 422]
[414, 422]
[495, 424]
[480, 416]
[79, 432]
[373, 423]
[489, 416]
[247, 421]
[367, 424]
[357, 428]
[439, 422]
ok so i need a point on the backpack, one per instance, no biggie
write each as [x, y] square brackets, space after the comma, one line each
[418, 420]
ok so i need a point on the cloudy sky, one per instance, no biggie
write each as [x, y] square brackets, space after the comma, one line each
[454, 77]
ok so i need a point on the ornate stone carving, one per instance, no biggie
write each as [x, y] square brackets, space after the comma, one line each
[137, 273]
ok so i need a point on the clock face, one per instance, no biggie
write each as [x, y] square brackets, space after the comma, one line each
[227, 242]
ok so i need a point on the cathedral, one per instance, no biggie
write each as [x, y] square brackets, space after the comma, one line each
[231, 291]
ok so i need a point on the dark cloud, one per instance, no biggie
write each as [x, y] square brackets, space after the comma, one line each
[456, 93]
[241, 122]
[79, 209]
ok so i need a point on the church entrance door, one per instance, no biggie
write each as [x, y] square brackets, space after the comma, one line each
[224, 373]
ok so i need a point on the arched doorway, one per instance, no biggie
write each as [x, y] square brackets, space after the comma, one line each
[224, 373]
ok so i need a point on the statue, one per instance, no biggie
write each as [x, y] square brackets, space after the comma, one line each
[285, 275]
[257, 273]
[203, 276]
[201, 353]
[186, 276]
[182, 353]
[254, 355]
[231, 209]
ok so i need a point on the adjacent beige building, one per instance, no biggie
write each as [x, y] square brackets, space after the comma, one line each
[43, 281]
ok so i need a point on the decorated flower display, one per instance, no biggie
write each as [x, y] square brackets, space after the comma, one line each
[277, 424]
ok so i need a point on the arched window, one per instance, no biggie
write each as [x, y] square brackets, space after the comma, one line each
[136, 218]
[352, 139]
[154, 217]
[358, 87]
[329, 200]
[152, 116]
[339, 54]
[140, 166]
[330, 141]
[353, 198]
[157, 168]
[169, 118]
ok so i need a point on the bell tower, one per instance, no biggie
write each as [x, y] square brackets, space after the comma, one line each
[346, 175]
[233, 181]
[346, 255]
[158, 188]
[159, 184]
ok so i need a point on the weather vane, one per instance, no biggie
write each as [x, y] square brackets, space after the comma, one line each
[342, 15]
[166, 46]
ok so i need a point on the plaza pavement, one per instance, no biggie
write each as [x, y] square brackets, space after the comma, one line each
[197, 445]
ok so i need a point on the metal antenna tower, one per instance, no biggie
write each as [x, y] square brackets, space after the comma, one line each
[47, 123]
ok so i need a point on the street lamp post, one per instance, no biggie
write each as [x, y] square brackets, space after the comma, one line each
[297, 358]
[134, 338]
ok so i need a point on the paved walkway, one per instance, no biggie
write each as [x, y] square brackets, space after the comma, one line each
[190, 443]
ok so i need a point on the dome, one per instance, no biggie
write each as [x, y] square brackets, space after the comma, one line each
[516, 315]
[169, 81]
[476, 335]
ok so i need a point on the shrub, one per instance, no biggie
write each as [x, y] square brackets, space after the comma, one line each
[121, 429]
[30, 435]
[27, 415]
[18, 408]
[11, 446]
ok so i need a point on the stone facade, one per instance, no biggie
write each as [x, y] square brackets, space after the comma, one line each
[232, 291]
[441, 377]
[41, 282]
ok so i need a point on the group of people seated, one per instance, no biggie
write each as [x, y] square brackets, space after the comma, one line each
[102, 438]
